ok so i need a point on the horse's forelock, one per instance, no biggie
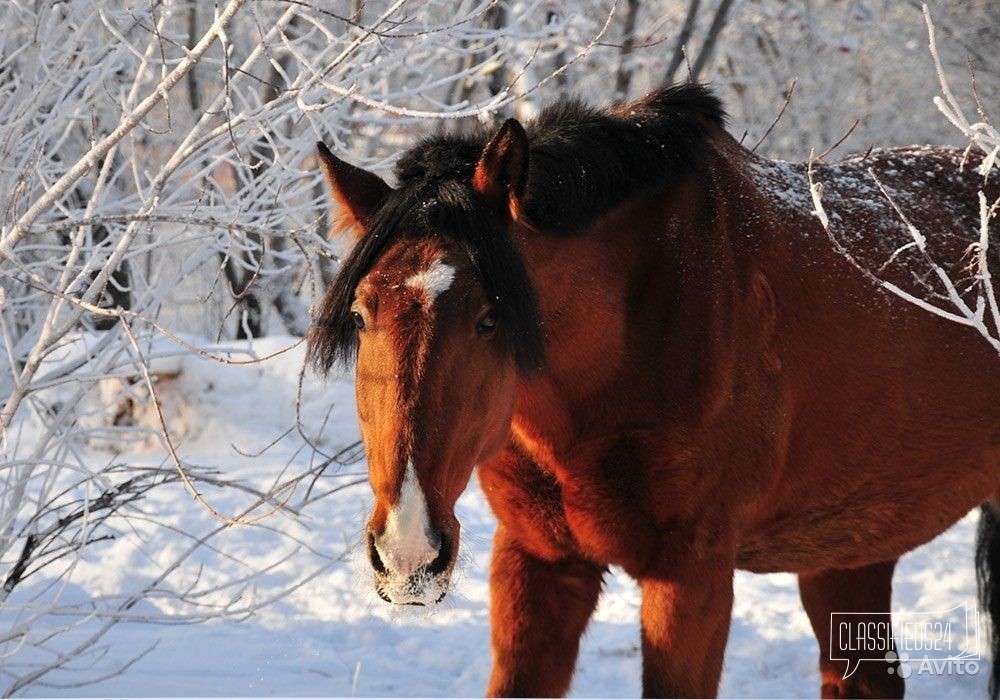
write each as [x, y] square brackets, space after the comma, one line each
[452, 215]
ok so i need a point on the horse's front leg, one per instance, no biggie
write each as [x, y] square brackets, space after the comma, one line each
[685, 624]
[538, 611]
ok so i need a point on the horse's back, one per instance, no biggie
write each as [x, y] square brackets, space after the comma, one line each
[894, 411]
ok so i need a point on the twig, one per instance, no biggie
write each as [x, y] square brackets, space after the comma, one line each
[839, 141]
[784, 106]
[128, 122]
[165, 432]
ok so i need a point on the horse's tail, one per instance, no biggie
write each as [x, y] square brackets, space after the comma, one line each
[988, 582]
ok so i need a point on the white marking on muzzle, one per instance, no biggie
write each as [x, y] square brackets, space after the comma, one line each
[434, 280]
[405, 545]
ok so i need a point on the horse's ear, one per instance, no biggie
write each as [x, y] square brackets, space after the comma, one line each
[502, 171]
[357, 192]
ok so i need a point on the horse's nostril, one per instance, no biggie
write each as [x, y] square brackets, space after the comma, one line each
[373, 556]
[443, 558]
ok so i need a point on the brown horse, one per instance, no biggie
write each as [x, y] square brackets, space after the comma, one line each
[658, 359]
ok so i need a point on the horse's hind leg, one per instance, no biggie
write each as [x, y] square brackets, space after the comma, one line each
[865, 592]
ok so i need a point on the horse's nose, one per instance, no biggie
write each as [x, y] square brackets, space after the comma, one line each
[432, 552]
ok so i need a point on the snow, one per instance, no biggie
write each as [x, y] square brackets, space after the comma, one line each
[333, 636]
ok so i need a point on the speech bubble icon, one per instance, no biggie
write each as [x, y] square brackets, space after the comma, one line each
[857, 637]
[852, 666]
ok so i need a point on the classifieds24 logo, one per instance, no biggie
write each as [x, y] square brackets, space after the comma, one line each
[938, 642]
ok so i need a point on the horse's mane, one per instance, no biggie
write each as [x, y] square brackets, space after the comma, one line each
[583, 162]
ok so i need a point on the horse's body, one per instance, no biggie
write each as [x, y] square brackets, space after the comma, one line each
[829, 412]
[723, 389]
[893, 413]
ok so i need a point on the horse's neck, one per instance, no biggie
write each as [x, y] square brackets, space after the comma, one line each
[629, 309]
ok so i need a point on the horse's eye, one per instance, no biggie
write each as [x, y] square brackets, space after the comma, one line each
[359, 320]
[486, 324]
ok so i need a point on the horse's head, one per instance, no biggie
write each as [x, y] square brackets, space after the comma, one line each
[435, 306]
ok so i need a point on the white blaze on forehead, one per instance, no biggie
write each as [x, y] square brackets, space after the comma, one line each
[404, 545]
[434, 280]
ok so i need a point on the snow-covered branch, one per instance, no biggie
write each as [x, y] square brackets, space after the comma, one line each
[160, 212]
[982, 314]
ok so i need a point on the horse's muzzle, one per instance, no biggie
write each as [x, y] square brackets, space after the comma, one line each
[403, 583]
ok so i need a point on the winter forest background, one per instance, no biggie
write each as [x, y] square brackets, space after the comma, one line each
[179, 503]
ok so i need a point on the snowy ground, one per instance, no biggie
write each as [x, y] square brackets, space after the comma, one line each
[332, 636]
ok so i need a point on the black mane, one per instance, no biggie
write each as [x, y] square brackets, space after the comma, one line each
[583, 162]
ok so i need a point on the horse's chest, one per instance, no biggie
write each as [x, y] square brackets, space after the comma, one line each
[598, 509]
[617, 501]
[554, 518]
[609, 526]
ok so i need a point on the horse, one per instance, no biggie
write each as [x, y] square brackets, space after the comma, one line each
[642, 338]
